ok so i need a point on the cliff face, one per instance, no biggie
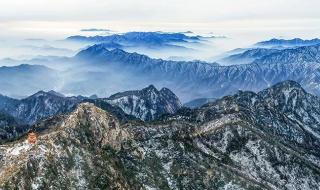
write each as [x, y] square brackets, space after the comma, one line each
[245, 141]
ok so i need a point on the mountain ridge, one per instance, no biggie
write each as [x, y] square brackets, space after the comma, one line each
[189, 80]
[237, 142]
[147, 104]
[138, 37]
[296, 42]
[184, 76]
[39, 106]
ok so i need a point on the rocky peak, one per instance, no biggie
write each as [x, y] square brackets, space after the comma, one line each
[92, 51]
[144, 92]
[74, 144]
[100, 127]
[285, 95]
[283, 88]
[146, 104]
[166, 91]
[87, 124]
[38, 94]
[150, 88]
[99, 53]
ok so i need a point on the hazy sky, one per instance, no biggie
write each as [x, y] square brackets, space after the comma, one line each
[61, 17]
[158, 11]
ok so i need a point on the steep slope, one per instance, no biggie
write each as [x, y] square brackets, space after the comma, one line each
[7, 102]
[146, 104]
[10, 128]
[293, 101]
[113, 109]
[238, 142]
[69, 156]
[40, 106]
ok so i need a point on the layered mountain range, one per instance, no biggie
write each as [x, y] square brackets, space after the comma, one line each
[240, 127]
[191, 80]
[105, 72]
[265, 140]
[146, 104]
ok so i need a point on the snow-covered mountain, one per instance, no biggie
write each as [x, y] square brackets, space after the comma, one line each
[146, 104]
[138, 38]
[191, 80]
[247, 56]
[282, 43]
[302, 55]
[266, 48]
[38, 106]
[97, 70]
[265, 140]
[295, 103]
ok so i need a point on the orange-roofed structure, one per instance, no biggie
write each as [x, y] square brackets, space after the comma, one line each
[32, 138]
